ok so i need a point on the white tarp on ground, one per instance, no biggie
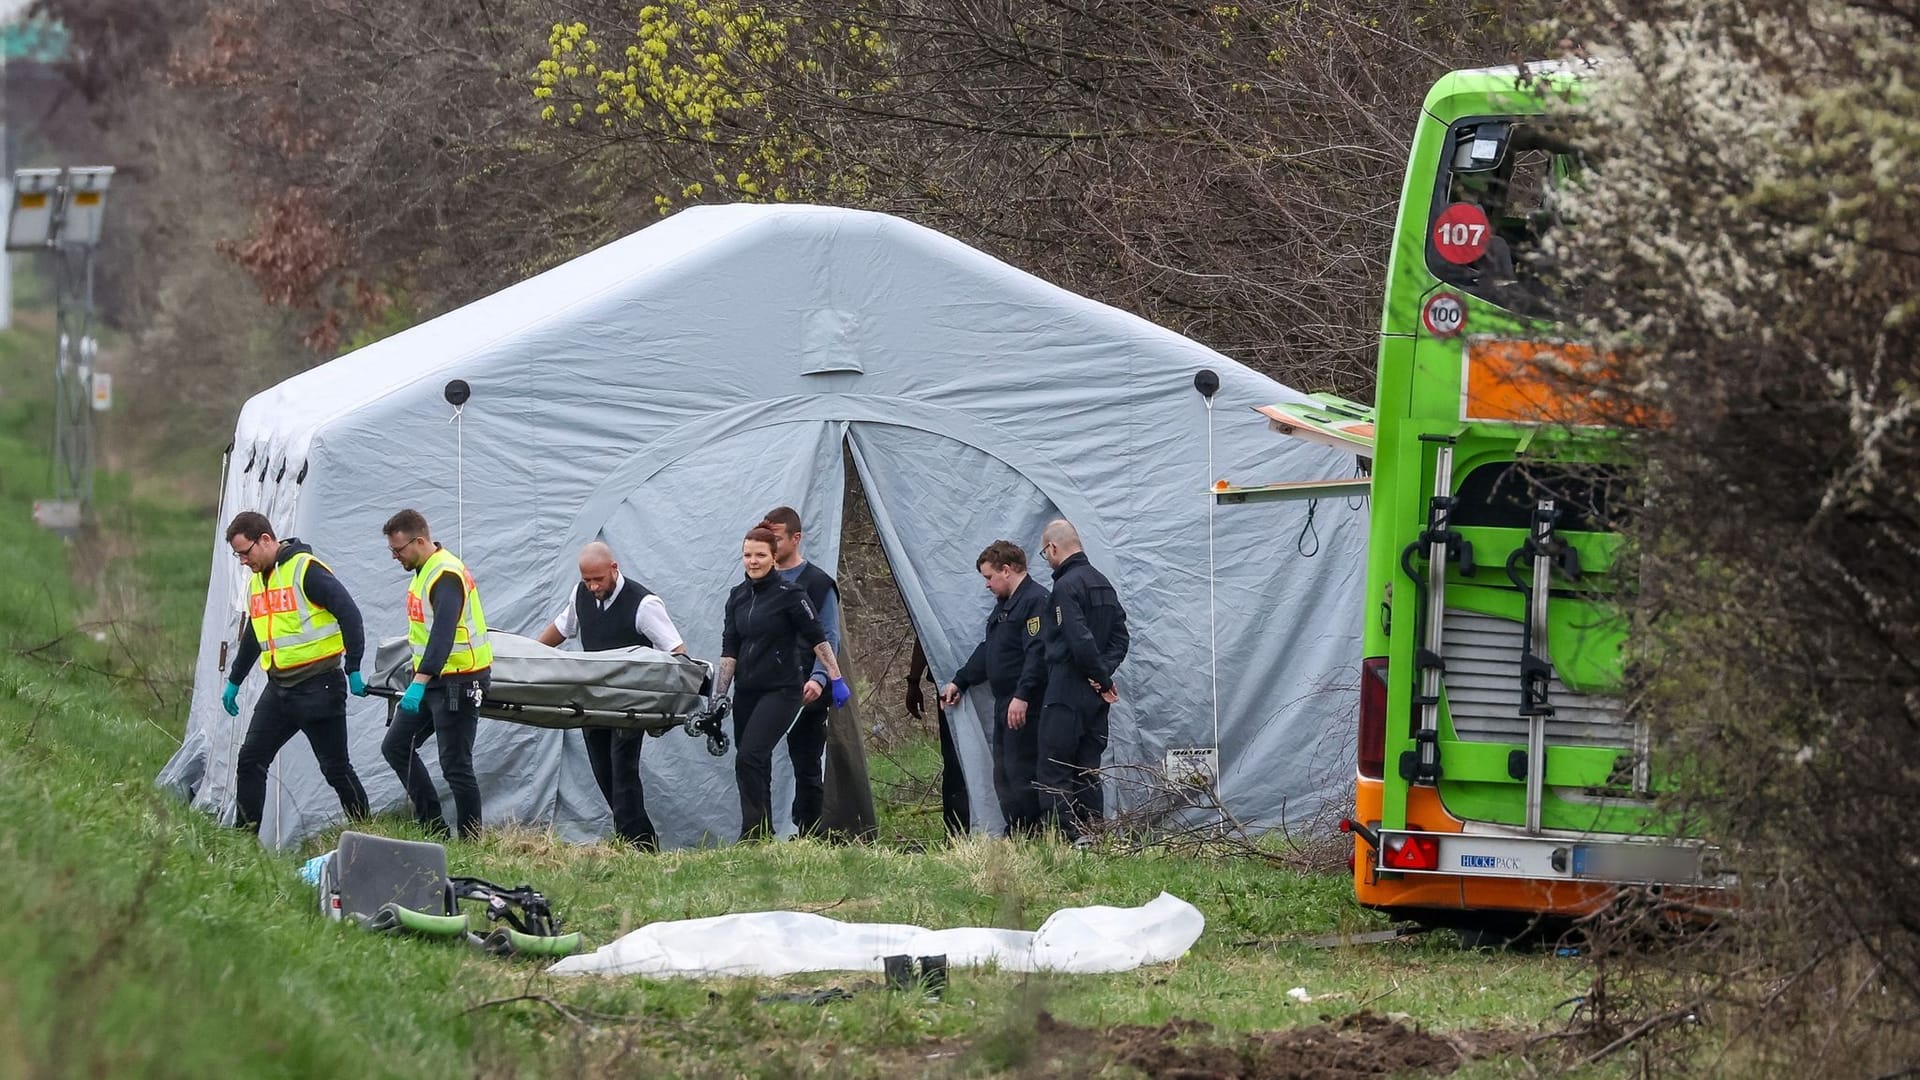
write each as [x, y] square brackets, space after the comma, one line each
[1077, 941]
[664, 391]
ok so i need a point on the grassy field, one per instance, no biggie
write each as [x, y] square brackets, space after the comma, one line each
[143, 940]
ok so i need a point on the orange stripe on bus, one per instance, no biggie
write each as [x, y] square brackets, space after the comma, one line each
[1542, 382]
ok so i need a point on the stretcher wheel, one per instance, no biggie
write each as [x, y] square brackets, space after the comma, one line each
[711, 723]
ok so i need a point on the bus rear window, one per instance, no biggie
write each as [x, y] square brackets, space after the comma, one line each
[1493, 203]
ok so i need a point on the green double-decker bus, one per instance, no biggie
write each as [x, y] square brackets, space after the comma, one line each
[1500, 778]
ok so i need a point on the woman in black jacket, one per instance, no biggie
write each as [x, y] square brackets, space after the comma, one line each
[771, 637]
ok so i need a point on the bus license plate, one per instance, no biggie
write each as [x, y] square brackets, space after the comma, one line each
[1635, 862]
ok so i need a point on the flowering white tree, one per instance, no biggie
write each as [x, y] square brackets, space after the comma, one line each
[1748, 241]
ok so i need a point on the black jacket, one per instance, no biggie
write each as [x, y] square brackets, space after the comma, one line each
[1010, 658]
[325, 591]
[770, 632]
[1085, 630]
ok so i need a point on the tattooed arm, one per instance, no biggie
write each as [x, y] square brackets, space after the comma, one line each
[824, 653]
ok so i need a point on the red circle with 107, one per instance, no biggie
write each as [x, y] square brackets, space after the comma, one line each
[1444, 315]
[1461, 232]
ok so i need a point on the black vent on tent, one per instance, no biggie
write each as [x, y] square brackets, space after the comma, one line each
[282, 474]
[301, 477]
[252, 456]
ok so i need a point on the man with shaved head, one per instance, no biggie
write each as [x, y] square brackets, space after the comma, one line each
[609, 611]
[1084, 633]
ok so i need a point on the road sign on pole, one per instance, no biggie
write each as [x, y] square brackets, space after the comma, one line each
[60, 211]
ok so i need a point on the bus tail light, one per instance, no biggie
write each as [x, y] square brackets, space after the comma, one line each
[1411, 851]
[1372, 749]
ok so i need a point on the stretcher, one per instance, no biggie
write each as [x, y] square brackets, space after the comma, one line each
[633, 689]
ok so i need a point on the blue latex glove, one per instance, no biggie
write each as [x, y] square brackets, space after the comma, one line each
[410, 701]
[356, 685]
[842, 693]
[230, 699]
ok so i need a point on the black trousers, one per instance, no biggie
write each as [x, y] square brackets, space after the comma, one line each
[615, 757]
[807, 749]
[1016, 757]
[1072, 738]
[450, 715]
[316, 706]
[760, 720]
[956, 810]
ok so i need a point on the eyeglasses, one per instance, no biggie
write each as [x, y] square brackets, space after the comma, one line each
[242, 553]
[404, 545]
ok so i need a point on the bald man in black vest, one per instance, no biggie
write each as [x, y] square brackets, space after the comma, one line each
[611, 611]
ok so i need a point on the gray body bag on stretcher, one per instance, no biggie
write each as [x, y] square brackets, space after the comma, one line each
[636, 689]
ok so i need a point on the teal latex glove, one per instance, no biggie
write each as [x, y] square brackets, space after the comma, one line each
[230, 699]
[356, 685]
[842, 693]
[410, 701]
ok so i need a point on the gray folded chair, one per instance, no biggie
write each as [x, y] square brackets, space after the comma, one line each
[368, 872]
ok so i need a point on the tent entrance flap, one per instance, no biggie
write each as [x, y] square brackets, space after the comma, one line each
[924, 489]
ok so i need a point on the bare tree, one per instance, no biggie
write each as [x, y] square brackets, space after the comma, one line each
[1230, 171]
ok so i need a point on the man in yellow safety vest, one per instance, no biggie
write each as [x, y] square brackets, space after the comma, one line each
[305, 631]
[451, 664]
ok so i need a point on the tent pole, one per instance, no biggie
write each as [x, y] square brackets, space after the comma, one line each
[1207, 382]
[1213, 635]
[459, 479]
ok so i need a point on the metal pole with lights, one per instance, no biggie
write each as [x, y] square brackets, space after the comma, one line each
[59, 211]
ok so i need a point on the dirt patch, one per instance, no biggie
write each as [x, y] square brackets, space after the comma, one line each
[1352, 1047]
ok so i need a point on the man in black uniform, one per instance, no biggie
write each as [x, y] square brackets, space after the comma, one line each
[608, 610]
[1012, 662]
[807, 742]
[1084, 632]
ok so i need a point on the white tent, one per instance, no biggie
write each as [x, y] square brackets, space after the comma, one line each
[665, 390]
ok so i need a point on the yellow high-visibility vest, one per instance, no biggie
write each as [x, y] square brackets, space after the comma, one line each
[292, 631]
[471, 650]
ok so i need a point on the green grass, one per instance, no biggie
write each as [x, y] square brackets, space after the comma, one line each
[143, 940]
[906, 792]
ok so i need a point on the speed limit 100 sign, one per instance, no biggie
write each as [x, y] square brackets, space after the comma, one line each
[1445, 315]
[1461, 233]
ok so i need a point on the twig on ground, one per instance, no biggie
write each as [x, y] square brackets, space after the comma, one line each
[1395, 988]
[572, 1014]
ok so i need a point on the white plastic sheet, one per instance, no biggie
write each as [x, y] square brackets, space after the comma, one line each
[1079, 941]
